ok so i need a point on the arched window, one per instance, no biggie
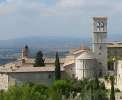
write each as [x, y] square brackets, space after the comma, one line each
[100, 73]
[102, 25]
[98, 26]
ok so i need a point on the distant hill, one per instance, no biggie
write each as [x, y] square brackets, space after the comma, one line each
[53, 42]
[45, 42]
[10, 49]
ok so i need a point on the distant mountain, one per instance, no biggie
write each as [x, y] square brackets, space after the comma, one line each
[45, 42]
[53, 42]
[10, 50]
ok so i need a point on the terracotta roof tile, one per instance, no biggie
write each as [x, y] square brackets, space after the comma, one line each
[28, 69]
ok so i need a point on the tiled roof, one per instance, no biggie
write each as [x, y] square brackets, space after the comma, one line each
[79, 51]
[86, 55]
[69, 63]
[47, 60]
[27, 69]
[114, 46]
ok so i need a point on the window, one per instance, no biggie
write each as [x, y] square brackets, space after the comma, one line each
[23, 60]
[98, 26]
[73, 75]
[49, 76]
[100, 63]
[110, 66]
[100, 73]
[100, 47]
[99, 53]
[120, 97]
[102, 25]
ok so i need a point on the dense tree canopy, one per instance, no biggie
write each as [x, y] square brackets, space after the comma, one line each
[59, 90]
[39, 61]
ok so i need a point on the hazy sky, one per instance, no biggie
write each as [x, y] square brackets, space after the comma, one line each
[23, 18]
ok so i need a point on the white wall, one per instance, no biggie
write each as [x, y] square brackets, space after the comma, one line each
[85, 68]
[3, 81]
[119, 74]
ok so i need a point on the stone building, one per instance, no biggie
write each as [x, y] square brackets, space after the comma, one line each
[86, 63]
[25, 52]
[99, 42]
[79, 64]
[86, 66]
[118, 74]
[18, 74]
[114, 49]
[22, 70]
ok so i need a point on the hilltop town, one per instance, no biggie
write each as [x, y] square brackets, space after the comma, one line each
[103, 60]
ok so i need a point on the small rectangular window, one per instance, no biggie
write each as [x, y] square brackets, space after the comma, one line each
[49, 76]
[73, 75]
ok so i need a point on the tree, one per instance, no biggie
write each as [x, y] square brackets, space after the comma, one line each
[39, 61]
[112, 95]
[59, 90]
[96, 83]
[57, 68]
[61, 87]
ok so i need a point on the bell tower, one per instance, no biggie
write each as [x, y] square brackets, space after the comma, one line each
[25, 52]
[99, 42]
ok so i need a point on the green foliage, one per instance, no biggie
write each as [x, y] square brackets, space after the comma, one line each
[59, 88]
[62, 86]
[110, 58]
[1, 95]
[25, 92]
[57, 68]
[88, 89]
[39, 61]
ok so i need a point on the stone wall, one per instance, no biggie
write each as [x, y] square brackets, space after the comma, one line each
[3, 81]
[38, 77]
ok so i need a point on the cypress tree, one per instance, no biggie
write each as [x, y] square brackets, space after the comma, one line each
[96, 83]
[92, 92]
[39, 61]
[57, 67]
[112, 95]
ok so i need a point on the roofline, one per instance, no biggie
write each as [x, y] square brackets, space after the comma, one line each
[100, 17]
[114, 46]
[27, 71]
